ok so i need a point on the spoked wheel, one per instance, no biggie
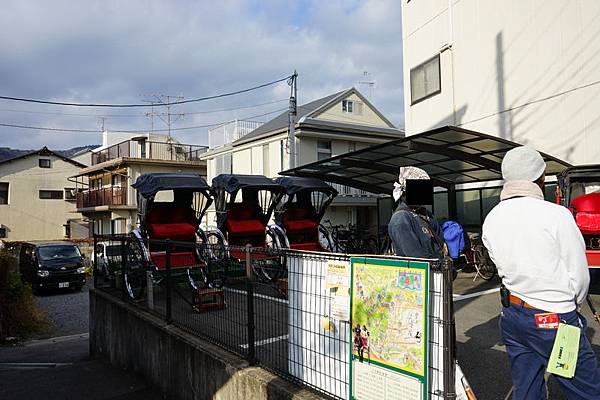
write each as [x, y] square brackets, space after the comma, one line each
[325, 240]
[197, 276]
[271, 268]
[216, 259]
[483, 263]
[135, 269]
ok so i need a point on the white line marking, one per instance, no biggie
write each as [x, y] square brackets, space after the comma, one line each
[262, 296]
[57, 339]
[459, 297]
[266, 341]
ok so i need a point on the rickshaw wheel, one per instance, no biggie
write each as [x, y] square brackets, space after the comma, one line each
[325, 239]
[135, 270]
[484, 265]
[216, 260]
[272, 269]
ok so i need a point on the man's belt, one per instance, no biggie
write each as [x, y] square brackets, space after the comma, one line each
[517, 301]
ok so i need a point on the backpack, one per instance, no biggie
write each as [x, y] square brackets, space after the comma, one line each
[454, 235]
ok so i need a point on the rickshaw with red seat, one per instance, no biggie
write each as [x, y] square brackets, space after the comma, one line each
[170, 209]
[298, 215]
[579, 190]
[244, 205]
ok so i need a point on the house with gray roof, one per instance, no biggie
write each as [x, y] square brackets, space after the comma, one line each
[332, 125]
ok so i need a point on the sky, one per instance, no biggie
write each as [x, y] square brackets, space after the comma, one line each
[141, 51]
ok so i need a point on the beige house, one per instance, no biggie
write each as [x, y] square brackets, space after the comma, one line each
[105, 196]
[326, 127]
[37, 202]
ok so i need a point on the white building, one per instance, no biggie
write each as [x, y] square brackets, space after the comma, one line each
[326, 127]
[523, 70]
[37, 202]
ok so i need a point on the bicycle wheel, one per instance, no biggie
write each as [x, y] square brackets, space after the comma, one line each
[483, 263]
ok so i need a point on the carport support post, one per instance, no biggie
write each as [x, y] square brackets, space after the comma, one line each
[449, 331]
[251, 357]
[95, 261]
[168, 317]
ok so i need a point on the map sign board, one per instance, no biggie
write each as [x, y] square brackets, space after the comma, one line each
[389, 322]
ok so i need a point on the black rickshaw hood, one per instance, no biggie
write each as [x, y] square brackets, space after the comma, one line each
[233, 182]
[149, 184]
[293, 185]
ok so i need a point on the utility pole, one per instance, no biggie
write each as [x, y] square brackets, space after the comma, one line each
[292, 113]
[167, 117]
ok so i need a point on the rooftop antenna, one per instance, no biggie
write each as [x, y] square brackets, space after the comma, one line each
[369, 83]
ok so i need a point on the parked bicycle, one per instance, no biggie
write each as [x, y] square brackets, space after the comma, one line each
[351, 239]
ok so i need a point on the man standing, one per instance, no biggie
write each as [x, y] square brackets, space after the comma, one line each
[540, 255]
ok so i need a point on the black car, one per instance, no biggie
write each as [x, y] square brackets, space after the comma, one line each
[52, 265]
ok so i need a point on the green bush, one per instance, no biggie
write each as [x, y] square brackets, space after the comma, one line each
[20, 316]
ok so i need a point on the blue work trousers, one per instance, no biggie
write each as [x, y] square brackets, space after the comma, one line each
[529, 349]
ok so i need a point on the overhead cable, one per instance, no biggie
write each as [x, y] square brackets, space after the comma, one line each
[217, 96]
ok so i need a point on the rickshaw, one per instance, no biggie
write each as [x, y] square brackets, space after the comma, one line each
[244, 204]
[170, 207]
[579, 190]
[298, 215]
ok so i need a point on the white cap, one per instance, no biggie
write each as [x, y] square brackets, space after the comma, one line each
[407, 173]
[523, 164]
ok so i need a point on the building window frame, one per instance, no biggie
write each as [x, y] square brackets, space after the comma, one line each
[45, 163]
[4, 199]
[348, 106]
[423, 66]
[71, 193]
[49, 194]
[324, 149]
[3, 232]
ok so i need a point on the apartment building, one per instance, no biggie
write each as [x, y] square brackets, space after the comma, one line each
[326, 127]
[105, 196]
[37, 202]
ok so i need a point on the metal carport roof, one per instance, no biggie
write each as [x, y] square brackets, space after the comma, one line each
[450, 155]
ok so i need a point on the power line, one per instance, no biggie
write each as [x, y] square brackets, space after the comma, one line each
[217, 96]
[217, 110]
[41, 128]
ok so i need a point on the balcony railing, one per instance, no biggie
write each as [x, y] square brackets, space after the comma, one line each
[112, 196]
[346, 191]
[149, 150]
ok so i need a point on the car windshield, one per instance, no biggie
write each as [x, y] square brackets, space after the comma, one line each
[58, 252]
[113, 250]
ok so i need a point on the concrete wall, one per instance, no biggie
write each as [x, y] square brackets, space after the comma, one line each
[26, 216]
[181, 365]
[526, 71]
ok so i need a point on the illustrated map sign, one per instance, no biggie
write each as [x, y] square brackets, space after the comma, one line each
[389, 323]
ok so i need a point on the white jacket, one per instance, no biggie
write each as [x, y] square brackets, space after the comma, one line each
[539, 252]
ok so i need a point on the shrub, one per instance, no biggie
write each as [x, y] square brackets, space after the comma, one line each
[20, 316]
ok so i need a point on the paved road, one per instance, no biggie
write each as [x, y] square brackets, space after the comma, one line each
[60, 369]
[67, 311]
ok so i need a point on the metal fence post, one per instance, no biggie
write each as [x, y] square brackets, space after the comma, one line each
[95, 261]
[123, 267]
[251, 357]
[449, 332]
[168, 317]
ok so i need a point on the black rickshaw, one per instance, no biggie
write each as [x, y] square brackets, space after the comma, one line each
[244, 205]
[298, 215]
[170, 209]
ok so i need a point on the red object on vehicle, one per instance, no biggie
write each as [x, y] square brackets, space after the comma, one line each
[180, 259]
[587, 213]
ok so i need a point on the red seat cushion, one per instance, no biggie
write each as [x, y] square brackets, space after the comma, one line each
[245, 227]
[306, 246]
[178, 260]
[174, 231]
[300, 225]
[587, 212]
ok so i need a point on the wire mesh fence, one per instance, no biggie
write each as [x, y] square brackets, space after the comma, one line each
[269, 306]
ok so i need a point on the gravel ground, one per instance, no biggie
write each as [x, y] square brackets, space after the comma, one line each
[67, 311]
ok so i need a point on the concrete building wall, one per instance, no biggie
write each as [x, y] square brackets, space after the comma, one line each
[522, 70]
[26, 216]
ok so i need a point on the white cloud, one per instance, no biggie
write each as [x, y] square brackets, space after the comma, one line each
[120, 52]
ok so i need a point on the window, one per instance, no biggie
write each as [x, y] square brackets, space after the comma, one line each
[70, 194]
[347, 106]
[118, 226]
[51, 194]
[45, 163]
[323, 149]
[115, 180]
[266, 166]
[425, 80]
[2, 232]
[3, 192]
[223, 164]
